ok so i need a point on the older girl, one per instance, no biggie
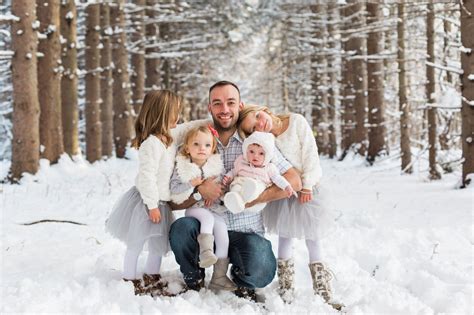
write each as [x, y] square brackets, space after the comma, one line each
[142, 214]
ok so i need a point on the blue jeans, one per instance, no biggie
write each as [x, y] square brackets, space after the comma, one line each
[251, 255]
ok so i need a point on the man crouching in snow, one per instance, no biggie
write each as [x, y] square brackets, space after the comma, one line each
[250, 254]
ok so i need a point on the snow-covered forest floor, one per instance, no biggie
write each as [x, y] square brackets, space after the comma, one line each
[403, 245]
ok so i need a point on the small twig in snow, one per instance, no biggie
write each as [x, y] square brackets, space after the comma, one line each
[53, 221]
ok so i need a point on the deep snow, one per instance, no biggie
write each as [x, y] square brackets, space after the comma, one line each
[403, 245]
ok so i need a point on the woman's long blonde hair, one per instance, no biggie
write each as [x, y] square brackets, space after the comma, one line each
[249, 109]
[159, 111]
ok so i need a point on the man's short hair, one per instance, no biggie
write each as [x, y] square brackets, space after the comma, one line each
[223, 83]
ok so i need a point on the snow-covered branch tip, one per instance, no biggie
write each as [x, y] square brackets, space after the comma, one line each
[52, 221]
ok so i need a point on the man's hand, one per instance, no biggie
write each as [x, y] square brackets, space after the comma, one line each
[155, 215]
[210, 189]
[196, 181]
[305, 195]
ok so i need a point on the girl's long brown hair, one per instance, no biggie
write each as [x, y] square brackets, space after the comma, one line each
[249, 109]
[159, 111]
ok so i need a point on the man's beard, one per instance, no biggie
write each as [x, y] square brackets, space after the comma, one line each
[219, 127]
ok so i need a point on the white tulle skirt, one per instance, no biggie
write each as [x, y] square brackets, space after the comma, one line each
[291, 219]
[129, 222]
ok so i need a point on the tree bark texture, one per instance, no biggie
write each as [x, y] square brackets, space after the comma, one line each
[138, 55]
[467, 88]
[404, 106]
[375, 75]
[319, 107]
[106, 82]
[26, 107]
[49, 80]
[430, 92]
[359, 82]
[333, 92]
[70, 109]
[122, 108]
[152, 80]
[92, 54]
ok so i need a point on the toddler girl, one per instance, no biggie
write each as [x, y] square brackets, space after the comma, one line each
[196, 162]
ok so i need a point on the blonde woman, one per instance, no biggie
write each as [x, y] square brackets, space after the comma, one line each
[303, 217]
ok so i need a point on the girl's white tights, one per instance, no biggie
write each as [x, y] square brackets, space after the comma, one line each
[212, 224]
[153, 263]
[285, 249]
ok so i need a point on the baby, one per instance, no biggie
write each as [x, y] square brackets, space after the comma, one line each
[253, 173]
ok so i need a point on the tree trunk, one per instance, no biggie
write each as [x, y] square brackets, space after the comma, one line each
[319, 107]
[122, 109]
[26, 108]
[152, 80]
[106, 82]
[467, 88]
[447, 31]
[138, 55]
[333, 92]
[430, 92]
[360, 85]
[166, 81]
[404, 107]
[49, 80]
[375, 73]
[70, 109]
[348, 111]
[92, 54]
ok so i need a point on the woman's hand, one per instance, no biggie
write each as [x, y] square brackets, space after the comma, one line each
[305, 195]
[208, 203]
[289, 191]
[155, 215]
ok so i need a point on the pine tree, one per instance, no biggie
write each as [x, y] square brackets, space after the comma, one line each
[430, 91]
[122, 108]
[106, 82]
[49, 80]
[93, 125]
[467, 110]
[404, 106]
[70, 110]
[375, 74]
[26, 108]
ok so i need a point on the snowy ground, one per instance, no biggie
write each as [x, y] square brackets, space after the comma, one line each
[404, 245]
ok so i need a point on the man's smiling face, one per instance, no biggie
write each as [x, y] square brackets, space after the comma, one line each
[224, 106]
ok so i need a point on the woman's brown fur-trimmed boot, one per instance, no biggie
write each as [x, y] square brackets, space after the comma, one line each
[286, 275]
[219, 280]
[321, 283]
[206, 250]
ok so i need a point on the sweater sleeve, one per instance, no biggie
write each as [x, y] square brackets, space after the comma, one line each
[312, 172]
[150, 153]
[176, 185]
[276, 178]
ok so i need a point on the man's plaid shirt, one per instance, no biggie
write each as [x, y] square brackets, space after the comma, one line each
[245, 222]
